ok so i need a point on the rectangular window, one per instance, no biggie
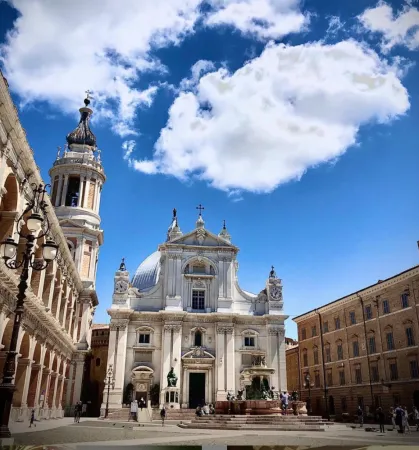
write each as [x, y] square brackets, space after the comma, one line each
[409, 337]
[414, 369]
[340, 352]
[198, 300]
[305, 360]
[303, 334]
[314, 331]
[405, 300]
[355, 348]
[343, 404]
[316, 356]
[368, 312]
[342, 377]
[390, 341]
[371, 345]
[352, 318]
[337, 323]
[326, 327]
[394, 374]
[386, 307]
[358, 375]
[329, 378]
[249, 341]
[375, 375]
[328, 357]
[317, 380]
[144, 339]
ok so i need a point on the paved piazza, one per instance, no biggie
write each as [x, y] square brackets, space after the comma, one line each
[99, 434]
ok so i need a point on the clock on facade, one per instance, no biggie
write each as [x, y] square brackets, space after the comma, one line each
[121, 286]
[275, 292]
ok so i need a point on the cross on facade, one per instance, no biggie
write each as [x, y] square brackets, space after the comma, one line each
[201, 208]
[88, 92]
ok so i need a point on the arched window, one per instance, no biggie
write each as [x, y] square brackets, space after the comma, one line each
[198, 339]
[97, 362]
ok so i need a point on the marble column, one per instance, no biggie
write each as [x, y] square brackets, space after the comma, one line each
[230, 357]
[177, 351]
[60, 399]
[79, 200]
[64, 192]
[86, 193]
[68, 397]
[220, 362]
[28, 372]
[78, 377]
[119, 367]
[58, 193]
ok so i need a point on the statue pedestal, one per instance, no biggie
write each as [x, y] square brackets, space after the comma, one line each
[170, 398]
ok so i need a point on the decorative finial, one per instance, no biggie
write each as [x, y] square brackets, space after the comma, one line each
[224, 224]
[122, 267]
[87, 99]
[272, 273]
[201, 208]
[58, 152]
[98, 155]
[174, 213]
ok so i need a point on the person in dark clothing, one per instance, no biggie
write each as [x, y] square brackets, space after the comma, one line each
[163, 415]
[399, 418]
[381, 419]
[32, 420]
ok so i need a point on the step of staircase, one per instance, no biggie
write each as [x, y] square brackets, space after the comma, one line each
[273, 422]
[175, 414]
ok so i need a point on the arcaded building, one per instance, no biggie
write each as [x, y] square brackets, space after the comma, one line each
[55, 332]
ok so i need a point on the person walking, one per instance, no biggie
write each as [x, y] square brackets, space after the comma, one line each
[381, 419]
[360, 415]
[133, 411]
[399, 411]
[415, 416]
[77, 412]
[142, 404]
[393, 418]
[406, 426]
[163, 415]
[32, 419]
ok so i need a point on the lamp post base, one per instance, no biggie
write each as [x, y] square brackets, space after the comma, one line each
[6, 397]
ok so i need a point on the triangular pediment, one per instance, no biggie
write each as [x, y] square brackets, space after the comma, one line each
[71, 223]
[202, 237]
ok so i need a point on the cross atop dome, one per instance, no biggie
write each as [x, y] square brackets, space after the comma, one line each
[200, 222]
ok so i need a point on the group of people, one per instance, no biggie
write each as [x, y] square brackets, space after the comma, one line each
[399, 417]
[204, 410]
[78, 409]
[135, 405]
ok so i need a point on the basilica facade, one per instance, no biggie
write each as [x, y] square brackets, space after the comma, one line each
[181, 326]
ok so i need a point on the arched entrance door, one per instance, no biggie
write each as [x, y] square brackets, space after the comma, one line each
[142, 379]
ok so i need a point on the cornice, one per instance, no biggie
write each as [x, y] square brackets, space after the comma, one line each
[374, 290]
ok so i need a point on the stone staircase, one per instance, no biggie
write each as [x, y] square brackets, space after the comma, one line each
[175, 414]
[119, 415]
[266, 422]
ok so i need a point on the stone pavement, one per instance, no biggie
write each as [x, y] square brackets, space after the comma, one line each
[91, 433]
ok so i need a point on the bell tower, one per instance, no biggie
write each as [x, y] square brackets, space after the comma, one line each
[77, 177]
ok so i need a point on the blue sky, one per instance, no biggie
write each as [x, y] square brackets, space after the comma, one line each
[296, 122]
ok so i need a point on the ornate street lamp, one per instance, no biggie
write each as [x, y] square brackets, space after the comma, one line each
[109, 381]
[307, 383]
[38, 226]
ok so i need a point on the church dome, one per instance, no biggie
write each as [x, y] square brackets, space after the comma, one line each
[83, 135]
[147, 274]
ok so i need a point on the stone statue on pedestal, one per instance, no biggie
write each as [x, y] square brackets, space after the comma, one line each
[171, 378]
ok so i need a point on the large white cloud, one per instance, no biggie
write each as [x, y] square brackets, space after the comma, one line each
[58, 49]
[292, 108]
[262, 18]
[400, 28]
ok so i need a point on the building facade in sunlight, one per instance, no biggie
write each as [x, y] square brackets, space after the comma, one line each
[363, 348]
[55, 332]
[183, 332]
